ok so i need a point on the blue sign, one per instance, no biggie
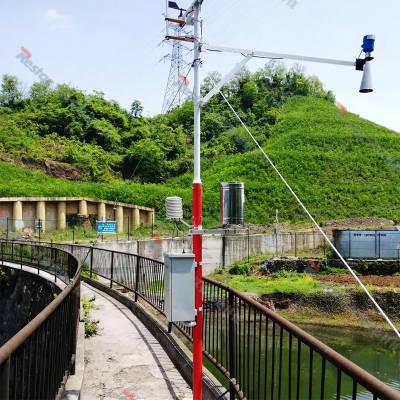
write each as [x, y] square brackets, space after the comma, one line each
[106, 227]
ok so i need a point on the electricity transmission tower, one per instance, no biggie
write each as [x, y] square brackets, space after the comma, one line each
[177, 90]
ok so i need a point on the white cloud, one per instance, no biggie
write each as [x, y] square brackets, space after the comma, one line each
[57, 20]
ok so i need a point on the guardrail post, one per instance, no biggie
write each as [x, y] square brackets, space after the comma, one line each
[74, 310]
[350, 245]
[248, 245]
[112, 270]
[38, 259]
[232, 343]
[91, 262]
[138, 260]
[223, 249]
[379, 241]
[5, 380]
[52, 260]
[70, 272]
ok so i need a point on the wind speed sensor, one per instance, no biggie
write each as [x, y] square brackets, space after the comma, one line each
[364, 64]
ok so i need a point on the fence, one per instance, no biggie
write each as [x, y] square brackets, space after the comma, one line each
[297, 244]
[224, 250]
[16, 228]
[257, 354]
[10, 228]
[35, 363]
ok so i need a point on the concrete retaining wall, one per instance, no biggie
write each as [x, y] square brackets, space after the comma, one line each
[221, 250]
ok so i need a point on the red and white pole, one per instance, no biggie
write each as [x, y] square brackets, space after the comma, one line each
[197, 217]
[198, 328]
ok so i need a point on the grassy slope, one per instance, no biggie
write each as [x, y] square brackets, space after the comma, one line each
[290, 283]
[340, 165]
[18, 181]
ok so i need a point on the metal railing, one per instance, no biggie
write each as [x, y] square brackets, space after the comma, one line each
[259, 354]
[35, 363]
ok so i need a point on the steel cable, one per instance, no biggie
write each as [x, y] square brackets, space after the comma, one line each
[357, 279]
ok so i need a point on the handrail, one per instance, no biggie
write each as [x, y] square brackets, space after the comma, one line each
[241, 336]
[363, 377]
[57, 323]
[12, 344]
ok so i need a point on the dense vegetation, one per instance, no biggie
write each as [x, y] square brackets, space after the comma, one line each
[341, 165]
[92, 139]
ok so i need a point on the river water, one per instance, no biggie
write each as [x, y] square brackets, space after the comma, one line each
[375, 351]
[260, 371]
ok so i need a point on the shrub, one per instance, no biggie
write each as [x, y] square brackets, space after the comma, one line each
[240, 269]
[91, 325]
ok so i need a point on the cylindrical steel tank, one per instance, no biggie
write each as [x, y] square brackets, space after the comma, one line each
[232, 203]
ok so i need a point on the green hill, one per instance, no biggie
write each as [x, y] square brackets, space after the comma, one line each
[342, 166]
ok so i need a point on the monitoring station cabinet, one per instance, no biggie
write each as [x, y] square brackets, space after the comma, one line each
[179, 287]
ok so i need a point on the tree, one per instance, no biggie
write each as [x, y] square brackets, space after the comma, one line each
[10, 93]
[136, 109]
[250, 92]
[212, 124]
[145, 159]
[40, 89]
[209, 82]
[103, 133]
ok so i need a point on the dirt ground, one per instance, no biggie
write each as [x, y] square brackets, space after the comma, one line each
[376, 280]
[359, 223]
[328, 226]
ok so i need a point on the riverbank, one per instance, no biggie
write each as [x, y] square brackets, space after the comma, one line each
[311, 318]
[317, 298]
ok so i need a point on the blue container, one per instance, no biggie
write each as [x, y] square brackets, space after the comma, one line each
[368, 244]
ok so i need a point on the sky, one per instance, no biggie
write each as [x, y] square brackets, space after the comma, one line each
[116, 46]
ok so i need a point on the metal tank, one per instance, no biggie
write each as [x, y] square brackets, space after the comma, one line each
[232, 203]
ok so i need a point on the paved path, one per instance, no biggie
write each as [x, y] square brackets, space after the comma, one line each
[124, 361]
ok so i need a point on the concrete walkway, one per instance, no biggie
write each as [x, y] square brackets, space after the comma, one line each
[124, 361]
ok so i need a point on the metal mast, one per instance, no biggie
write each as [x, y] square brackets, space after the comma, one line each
[197, 208]
[191, 17]
[176, 91]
